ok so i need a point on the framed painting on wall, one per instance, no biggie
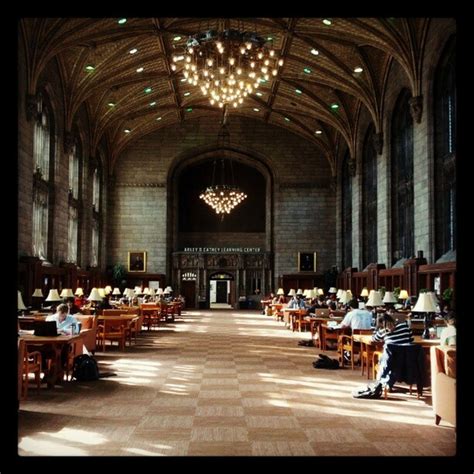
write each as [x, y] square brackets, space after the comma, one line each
[137, 261]
[306, 261]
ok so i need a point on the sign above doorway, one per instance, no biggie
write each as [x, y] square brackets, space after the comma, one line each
[223, 249]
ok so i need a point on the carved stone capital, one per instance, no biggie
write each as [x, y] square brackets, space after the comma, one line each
[416, 107]
[69, 142]
[377, 142]
[352, 167]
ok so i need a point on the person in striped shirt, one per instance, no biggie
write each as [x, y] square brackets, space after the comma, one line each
[389, 332]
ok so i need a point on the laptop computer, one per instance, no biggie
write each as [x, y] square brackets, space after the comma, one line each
[46, 328]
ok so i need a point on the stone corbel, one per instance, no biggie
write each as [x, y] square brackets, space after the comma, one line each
[416, 107]
[377, 142]
[31, 103]
[69, 142]
[352, 167]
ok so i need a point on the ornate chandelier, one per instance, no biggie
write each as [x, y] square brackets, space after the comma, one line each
[228, 65]
[223, 197]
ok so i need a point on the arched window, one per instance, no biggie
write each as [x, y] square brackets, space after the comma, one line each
[96, 190]
[445, 151]
[75, 196]
[369, 200]
[346, 227]
[74, 172]
[402, 180]
[96, 215]
[43, 149]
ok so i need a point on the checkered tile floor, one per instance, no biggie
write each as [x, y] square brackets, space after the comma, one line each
[224, 383]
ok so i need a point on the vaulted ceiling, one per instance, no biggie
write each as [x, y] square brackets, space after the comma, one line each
[322, 79]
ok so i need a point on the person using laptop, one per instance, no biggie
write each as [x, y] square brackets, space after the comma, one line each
[448, 334]
[357, 318]
[66, 323]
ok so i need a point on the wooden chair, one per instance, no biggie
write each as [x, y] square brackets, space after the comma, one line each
[132, 329]
[112, 330]
[346, 343]
[414, 354]
[366, 351]
[30, 364]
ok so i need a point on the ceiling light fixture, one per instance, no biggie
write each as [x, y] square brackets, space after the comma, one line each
[224, 196]
[228, 64]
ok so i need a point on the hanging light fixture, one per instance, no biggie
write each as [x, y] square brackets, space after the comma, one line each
[227, 64]
[225, 195]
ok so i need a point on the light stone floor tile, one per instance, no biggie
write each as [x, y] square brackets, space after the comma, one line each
[277, 422]
[219, 394]
[205, 402]
[219, 410]
[218, 421]
[219, 434]
[272, 434]
[174, 401]
[281, 448]
[163, 434]
[171, 421]
[219, 381]
[209, 448]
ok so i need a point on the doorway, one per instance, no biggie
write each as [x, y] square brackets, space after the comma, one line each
[188, 290]
[220, 290]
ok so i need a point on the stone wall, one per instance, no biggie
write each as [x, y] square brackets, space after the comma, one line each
[299, 197]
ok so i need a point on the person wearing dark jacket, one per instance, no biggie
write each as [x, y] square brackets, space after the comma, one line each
[401, 360]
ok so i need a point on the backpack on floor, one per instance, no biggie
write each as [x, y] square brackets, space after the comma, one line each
[325, 362]
[85, 368]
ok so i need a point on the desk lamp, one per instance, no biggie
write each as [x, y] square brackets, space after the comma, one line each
[20, 306]
[425, 305]
[36, 298]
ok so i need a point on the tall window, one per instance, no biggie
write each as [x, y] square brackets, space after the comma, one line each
[96, 216]
[346, 213]
[402, 180]
[42, 146]
[369, 200]
[73, 226]
[445, 151]
[75, 173]
[96, 190]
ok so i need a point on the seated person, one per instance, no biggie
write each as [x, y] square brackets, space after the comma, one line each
[104, 304]
[279, 299]
[73, 308]
[357, 318]
[448, 334]
[389, 332]
[297, 302]
[65, 323]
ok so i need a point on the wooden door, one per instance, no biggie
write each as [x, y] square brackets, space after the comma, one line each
[188, 290]
[221, 292]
